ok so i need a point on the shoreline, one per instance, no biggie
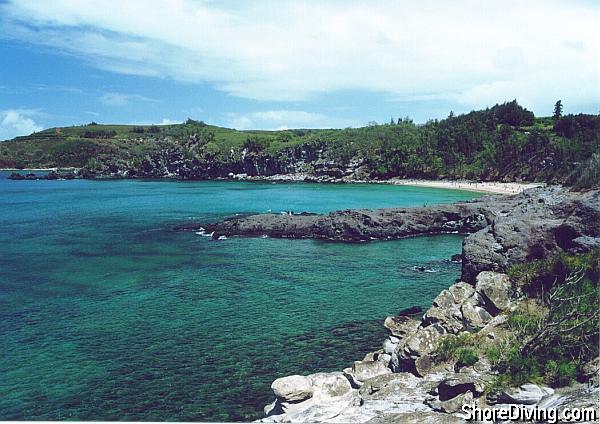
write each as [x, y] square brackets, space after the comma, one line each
[482, 187]
[490, 187]
[38, 169]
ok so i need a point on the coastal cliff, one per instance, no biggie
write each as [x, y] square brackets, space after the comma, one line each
[459, 351]
[503, 143]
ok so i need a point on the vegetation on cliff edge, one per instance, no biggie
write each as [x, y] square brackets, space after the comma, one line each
[551, 335]
[505, 142]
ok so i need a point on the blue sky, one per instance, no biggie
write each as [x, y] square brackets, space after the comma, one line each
[286, 64]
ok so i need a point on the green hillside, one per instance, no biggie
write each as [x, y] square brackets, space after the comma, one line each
[505, 142]
[76, 146]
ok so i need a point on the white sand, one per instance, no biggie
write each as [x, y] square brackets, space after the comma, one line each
[485, 187]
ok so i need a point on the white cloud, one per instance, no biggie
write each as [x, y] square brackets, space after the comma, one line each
[280, 119]
[464, 51]
[166, 121]
[16, 122]
[121, 99]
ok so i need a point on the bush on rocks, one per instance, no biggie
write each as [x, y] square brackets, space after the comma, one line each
[556, 333]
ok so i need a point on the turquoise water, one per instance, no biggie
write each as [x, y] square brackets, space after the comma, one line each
[106, 313]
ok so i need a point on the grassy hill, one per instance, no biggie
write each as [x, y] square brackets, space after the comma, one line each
[76, 146]
[505, 142]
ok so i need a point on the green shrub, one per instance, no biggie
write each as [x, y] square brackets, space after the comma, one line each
[466, 357]
[211, 149]
[256, 144]
[559, 373]
[460, 348]
[493, 354]
[557, 332]
[100, 134]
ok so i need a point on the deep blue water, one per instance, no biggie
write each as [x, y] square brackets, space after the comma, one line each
[106, 313]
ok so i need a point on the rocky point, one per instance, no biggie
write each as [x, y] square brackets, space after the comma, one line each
[404, 381]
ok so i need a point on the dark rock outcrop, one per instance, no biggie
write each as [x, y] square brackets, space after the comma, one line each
[538, 223]
[359, 225]
[504, 230]
[412, 311]
[52, 175]
[457, 259]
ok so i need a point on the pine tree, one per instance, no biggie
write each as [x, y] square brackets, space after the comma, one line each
[557, 110]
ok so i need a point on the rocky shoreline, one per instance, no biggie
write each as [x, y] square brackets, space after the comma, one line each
[406, 381]
[402, 383]
[467, 185]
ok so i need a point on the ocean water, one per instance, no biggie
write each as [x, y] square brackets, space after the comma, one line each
[106, 313]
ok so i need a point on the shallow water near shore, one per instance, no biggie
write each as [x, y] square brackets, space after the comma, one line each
[106, 313]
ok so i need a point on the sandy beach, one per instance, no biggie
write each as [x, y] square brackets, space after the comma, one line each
[484, 187]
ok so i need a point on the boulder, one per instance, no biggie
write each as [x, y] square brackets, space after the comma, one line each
[586, 243]
[397, 390]
[458, 384]
[293, 388]
[386, 385]
[527, 394]
[495, 289]
[312, 412]
[580, 396]
[457, 309]
[396, 393]
[329, 385]
[461, 291]
[474, 316]
[423, 365]
[482, 252]
[389, 346]
[424, 341]
[452, 405]
[364, 370]
[444, 300]
[401, 326]
[449, 318]
[385, 358]
[331, 395]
